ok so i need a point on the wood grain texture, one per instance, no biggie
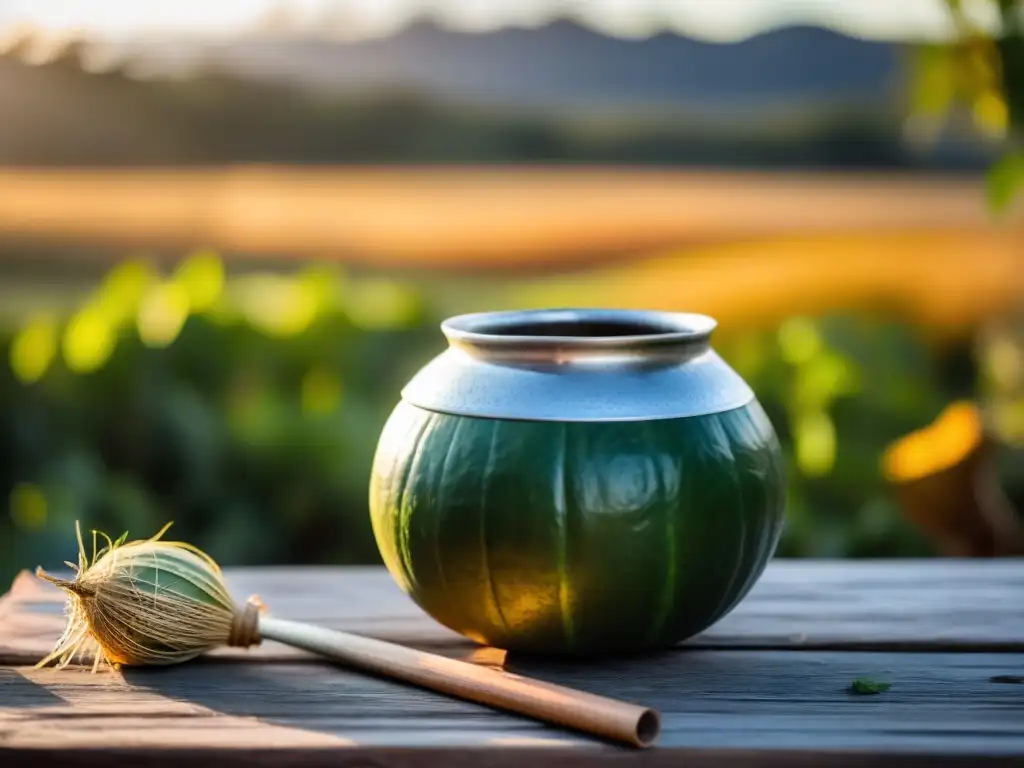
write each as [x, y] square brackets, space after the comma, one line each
[948, 635]
[712, 701]
[928, 605]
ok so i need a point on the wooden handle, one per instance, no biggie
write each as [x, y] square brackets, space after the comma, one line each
[587, 712]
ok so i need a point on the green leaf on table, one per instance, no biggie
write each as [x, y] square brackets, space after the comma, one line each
[1004, 180]
[864, 686]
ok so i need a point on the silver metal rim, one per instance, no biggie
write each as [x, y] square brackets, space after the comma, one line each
[578, 365]
[496, 330]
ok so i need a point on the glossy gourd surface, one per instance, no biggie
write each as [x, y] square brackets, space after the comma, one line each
[577, 537]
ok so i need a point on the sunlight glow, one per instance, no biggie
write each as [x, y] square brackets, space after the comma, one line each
[732, 20]
[34, 348]
[382, 304]
[89, 340]
[815, 438]
[799, 340]
[201, 277]
[278, 306]
[123, 288]
[162, 314]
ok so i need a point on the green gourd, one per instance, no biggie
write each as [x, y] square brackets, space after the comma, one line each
[577, 538]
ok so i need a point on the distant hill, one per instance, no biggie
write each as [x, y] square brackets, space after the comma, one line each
[566, 65]
[792, 98]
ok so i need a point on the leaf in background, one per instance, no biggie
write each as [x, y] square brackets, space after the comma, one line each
[1011, 55]
[865, 687]
[1005, 179]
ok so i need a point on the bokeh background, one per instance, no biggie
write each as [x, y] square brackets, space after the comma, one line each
[229, 230]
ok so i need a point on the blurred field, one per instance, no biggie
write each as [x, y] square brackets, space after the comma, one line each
[483, 219]
[945, 282]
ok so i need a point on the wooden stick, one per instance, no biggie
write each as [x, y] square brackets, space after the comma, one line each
[616, 720]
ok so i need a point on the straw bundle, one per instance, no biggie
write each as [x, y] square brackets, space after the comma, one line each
[149, 602]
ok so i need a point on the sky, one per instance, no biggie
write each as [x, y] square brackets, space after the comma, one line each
[125, 20]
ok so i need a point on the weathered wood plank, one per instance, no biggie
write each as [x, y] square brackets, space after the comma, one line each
[712, 703]
[512, 755]
[919, 605]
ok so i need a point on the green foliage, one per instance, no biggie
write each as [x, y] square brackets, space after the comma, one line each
[984, 70]
[839, 390]
[1005, 180]
[862, 686]
[252, 429]
[247, 410]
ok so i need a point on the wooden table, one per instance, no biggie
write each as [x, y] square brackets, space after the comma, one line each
[768, 685]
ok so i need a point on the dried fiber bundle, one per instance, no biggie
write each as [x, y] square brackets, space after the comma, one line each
[148, 602]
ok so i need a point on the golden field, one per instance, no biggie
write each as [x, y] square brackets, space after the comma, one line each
[747, 247]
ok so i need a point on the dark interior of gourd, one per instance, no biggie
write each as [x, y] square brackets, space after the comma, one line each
[585, 329]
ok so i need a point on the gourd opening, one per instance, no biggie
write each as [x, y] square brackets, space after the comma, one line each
[585, 329]
[564, 334]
